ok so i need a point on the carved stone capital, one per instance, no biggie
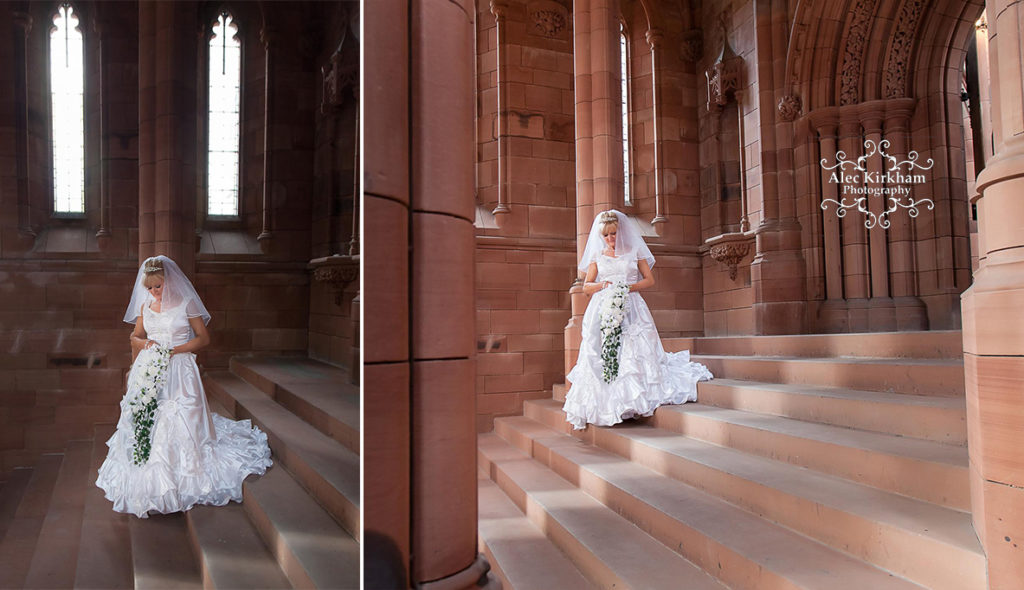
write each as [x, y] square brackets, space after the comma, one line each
[692, 45]
[270, 37]
[499, 8]
[654, 38]
[23, 20]
[789, 107]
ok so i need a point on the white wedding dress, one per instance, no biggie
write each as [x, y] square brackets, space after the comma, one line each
[196, 457]
[648, 376]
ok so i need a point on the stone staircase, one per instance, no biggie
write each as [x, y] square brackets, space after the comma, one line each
[817, 462]
[297, 527]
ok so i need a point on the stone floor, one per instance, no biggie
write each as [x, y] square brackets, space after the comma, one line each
[298, 526]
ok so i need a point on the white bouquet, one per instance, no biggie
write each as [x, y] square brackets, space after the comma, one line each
[149, 379]
[613, 311]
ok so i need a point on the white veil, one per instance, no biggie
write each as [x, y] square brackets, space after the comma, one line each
[627, 239]
[178, 290]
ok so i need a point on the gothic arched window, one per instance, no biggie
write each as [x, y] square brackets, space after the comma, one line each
[67, 108]
[224, 118]
[624, 75]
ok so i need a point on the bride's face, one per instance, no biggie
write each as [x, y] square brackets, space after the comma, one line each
[609, 238]
[155, 286]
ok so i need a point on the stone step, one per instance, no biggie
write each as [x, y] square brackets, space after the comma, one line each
[941, 419]
[310, 547]
[162, 556]
[931, 545]
[921, 469]
[105, 545]
[19, 543]
[318, 393]
[519, 553]
[943, 377]
[10, 496]
[609, 550]
[325, 468]
[56, 553]
[932, 344]
[230, 551]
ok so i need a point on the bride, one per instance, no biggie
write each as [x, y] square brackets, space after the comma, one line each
[609, 385]
[169, 451]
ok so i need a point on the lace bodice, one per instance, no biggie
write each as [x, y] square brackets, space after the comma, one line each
[168, 327]
[621, 268]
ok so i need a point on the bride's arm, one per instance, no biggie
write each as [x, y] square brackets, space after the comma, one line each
[201, 340]
[648, 277]
[138, 338]
[589, 286]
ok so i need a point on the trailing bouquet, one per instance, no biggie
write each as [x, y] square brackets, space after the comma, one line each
[613, 311]
[149, 380]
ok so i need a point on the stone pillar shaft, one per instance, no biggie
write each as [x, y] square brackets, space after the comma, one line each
[993, 313]
[167, 132]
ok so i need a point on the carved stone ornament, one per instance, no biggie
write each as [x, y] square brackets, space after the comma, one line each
[724, 76]
[902, 45]
[730, 254]
[548, 19]
[789, 107]
[337, 271]
[853, 53]
[692, 46]
[338, 80]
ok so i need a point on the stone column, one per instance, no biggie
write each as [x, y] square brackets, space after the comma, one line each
[854, 248]
[420, 429]
[167, 131]
[882, 312]
[993, 313]
[23, 26]
[777, 271]
[911, 313]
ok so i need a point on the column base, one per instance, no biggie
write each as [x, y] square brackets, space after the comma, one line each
[477, 575]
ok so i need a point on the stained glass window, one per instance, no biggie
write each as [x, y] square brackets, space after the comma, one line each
[67, 82]
[225, 95]
[624, 74]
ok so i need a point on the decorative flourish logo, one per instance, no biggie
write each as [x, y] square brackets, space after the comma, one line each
[859, 183]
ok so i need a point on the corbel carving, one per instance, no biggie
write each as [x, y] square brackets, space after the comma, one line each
[724, 75]
[337, 272]
[730, 254]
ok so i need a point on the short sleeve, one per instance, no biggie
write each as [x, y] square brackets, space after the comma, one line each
[192, 310]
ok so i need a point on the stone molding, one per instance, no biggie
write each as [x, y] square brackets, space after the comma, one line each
[853, 53]
[898, 59]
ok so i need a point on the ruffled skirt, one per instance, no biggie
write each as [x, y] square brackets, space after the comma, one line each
[648, 376]
[196, 456]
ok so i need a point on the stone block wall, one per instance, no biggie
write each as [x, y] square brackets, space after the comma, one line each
[524, 268]
[64, 283]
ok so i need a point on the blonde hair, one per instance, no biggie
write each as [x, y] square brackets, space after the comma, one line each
[607, 220]
[153, 267]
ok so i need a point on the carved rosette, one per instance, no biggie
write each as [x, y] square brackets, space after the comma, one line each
[789, 107]
[730, 255]
[548, 19]
[337, 272]
[691, 48]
